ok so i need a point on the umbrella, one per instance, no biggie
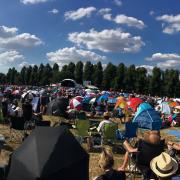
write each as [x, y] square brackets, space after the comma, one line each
[49, 153]
[16, 92]
[148, 119]
[58, 107]
[112, 100]
[134, 103]
[76, 103]
[103, 98]
[121, 102]
[173, 104]
[92, 101]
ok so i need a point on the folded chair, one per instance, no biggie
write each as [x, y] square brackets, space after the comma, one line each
[17, 128]
[109, 133]
[82, 127]
[141, 159]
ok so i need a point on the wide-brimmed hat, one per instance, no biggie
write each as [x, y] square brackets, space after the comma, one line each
[164, 165]
[106, 114]
[176, 111]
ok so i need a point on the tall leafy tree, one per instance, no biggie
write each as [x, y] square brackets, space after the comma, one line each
[71, 70]
[56, 74]
[120, 76]
[156, 82]
[88, 71]
[141, 80]
[109, 75]
[130, 78]
[97, 76]
[79, 72]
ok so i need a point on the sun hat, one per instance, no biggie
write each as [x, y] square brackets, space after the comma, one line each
[106, 114]
[176, 111]
[164, 165]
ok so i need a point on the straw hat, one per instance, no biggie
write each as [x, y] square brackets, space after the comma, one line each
[176, 111]
[164, 165]
[106, 114]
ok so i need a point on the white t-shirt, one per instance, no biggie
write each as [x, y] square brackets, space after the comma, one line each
[102, 123]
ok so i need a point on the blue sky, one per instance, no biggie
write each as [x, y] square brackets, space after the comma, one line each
[141, 32]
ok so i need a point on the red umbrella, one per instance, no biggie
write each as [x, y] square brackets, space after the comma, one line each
[76, 103]
[134, 103]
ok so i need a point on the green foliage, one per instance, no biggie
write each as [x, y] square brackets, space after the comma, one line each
[121, 77]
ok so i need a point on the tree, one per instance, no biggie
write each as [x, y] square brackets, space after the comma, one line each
[130, 78]
[71, 70]
[155, 82]
[79, 72]
[120, 76]
[97, 76]
[56, 74]
[108, 76]
[141, 80]
[41, 74]
[88, 71]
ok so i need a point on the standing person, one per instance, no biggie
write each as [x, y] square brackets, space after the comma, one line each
[43, 102]
[106, 163]
[27, 110]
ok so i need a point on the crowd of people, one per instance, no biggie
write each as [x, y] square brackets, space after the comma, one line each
[148, 153]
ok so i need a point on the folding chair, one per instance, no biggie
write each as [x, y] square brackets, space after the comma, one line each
[131, 132]
[109, 133]
[17, 124]
[141, 159]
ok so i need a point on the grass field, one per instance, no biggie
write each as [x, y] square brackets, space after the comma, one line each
[94, 169]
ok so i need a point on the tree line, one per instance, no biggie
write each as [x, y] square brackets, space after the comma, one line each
[120, 77]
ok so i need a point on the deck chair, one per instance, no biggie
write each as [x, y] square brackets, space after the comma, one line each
[131, 132]
[109, 133]
[141, 160]
[82, 127]
[17, 128]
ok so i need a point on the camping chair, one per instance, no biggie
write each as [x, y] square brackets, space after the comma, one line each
[109, 133]
[131, 132]
[141, 160]
[17, 124]
[82, 127]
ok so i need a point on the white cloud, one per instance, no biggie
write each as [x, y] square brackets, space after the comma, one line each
[122, 19]
[54, 11]
[10, 39]
[129, 21]
[168, 64]
[171, 24]
[104, 11]
[165, 61]
[118, 2]
[166, 56]
[112, 40]
[79, 13]
[67, 55]
[9, 58]
[7, 32]
[32, 1]
[151, 13]
[25, 64]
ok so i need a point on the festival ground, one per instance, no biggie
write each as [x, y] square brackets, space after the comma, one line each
[94, 169]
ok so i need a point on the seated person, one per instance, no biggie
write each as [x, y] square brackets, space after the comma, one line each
[106, 163]
[106, 120]
[146, 149]
[164, 166]
[174, 151]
